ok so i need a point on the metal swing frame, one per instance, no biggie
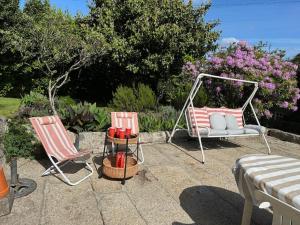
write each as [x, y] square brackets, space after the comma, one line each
[189, 103]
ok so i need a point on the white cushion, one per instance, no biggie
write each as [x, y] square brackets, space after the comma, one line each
[217, 121]
[250, 131]
[235, 131]
[231, 122]
[260, 129]
[216, 132]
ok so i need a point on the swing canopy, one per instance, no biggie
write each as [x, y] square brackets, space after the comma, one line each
[220, 122]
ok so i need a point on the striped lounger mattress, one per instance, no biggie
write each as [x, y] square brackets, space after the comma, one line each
[275, 175]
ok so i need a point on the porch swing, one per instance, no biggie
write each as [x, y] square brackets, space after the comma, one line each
[221, 122]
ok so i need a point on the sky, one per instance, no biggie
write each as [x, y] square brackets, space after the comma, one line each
[275, 22]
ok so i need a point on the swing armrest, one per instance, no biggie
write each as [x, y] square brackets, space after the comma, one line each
[260, 129]
[202, 127]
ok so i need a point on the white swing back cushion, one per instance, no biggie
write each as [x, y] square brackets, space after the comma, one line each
[231, 122]
[217, 121]
[198, 115]
[237, 113]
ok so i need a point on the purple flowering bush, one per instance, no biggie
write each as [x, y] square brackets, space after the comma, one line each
[276, 78]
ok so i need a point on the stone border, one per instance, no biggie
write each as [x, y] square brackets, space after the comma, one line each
[95, 140]
[284, 136]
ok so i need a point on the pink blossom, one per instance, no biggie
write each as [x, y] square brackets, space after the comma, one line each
[268, 114]
[284, 104]
[270, 86]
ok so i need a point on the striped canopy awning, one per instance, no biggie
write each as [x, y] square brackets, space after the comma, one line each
[276, 175]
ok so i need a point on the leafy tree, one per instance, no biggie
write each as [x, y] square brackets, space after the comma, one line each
[149, 40]
[10, 18]
[57, 45]
[37, 8]
[9, 10]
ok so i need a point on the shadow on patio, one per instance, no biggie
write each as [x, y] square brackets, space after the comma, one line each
[192, 144]
[216, 206]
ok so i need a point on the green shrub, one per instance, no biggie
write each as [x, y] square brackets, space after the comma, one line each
[18, 140]
[84, 117]
[124, 99]
[34, 104]
[146, 99]
[162, 120]
[34, 98]
[149, 122]
[129, 99]
[64, 101]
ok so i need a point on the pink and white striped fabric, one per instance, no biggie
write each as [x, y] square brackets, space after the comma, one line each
[125, 120]
[201, 117]
[55, 138]
[210, 111]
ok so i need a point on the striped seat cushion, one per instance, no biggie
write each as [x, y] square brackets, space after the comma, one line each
[276, 175]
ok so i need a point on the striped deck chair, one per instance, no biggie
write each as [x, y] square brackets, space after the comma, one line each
[58, 145]
[128, 120]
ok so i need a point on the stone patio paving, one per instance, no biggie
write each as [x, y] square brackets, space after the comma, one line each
[172, 188]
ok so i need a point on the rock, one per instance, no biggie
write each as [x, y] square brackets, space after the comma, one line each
[284, 136]
[154, 137]
[92, 140]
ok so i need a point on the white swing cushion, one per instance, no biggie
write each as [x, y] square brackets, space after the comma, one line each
[217, 121]
[237, 113]
[259, 129]
[231, 122]
[235, 131]
[250, 131]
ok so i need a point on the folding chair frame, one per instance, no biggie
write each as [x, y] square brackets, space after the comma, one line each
[64, 159]
[60, 164]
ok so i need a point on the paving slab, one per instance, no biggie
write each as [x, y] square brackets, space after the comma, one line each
[117, 209]
[155, 204]
[66, 205]
[26, 210]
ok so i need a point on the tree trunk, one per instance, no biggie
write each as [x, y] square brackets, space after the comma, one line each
[51, 98]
